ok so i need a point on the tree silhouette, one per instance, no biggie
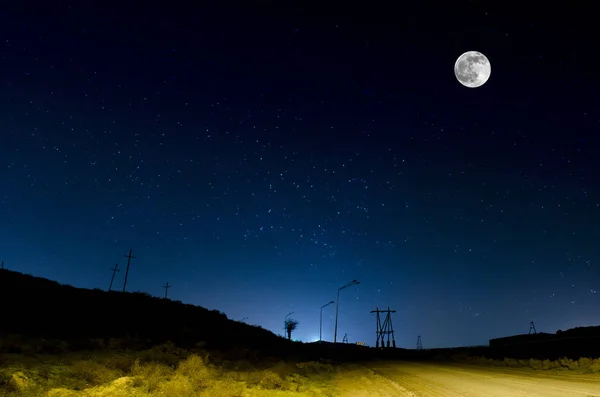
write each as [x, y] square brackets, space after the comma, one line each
[290, 326]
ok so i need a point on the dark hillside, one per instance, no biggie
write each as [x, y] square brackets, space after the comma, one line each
[41, 308]
[35, 307]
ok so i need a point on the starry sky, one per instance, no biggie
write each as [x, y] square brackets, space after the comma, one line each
[259, 158]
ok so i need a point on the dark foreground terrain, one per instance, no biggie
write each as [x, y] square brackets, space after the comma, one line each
[61, 341]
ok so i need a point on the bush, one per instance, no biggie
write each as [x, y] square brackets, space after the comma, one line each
[177, 386]
[194, 368]
[537, 364]
[511, 362]
[149, 376]
[594, 365]
[568, 363]
[226, 388]
[90, 372]
[270, 380]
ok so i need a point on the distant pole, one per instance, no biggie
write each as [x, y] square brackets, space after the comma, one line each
[129, 257]
[419, 343]
[3, 264]
[321, 319]
[351, 283]
[115, 270]
[166, 287]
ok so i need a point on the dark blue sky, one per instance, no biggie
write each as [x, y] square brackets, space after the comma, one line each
[258, 159]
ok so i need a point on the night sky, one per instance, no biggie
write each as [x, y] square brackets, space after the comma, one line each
[258, 159]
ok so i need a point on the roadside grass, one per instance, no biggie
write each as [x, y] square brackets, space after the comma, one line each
[161, 371]
[582, 365]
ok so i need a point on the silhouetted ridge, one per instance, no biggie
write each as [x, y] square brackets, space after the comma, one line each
[38, 307]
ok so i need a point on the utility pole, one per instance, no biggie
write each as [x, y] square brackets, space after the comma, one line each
[166, 287]
[129, 257]
[419, 343]
[321, 319]
[2, 264]
[115, 270]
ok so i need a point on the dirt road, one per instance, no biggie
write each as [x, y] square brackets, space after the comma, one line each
[384, 379]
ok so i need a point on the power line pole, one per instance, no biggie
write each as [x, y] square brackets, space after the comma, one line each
[532, 328]
[3, 264]
[419, 343]
[166, 287]
[115, 270]
[384, 328]
[129, 257]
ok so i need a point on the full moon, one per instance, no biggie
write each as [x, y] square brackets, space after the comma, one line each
[472, 69]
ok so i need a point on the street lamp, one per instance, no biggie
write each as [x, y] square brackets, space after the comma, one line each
[284, 320]
[351, 283]
[321, 318]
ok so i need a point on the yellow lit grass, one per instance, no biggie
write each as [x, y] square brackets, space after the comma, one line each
[157, 372]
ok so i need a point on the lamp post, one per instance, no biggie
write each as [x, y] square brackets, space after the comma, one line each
[351, 283]
[321, 319]
[284, 320]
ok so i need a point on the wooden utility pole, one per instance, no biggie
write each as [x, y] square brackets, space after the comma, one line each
[129, 257]
[114, 269]
[166, 287]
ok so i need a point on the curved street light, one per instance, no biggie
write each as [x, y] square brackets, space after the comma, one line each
[350, 284]
[321, 319]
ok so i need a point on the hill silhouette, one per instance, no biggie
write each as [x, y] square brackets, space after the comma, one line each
[36, 307]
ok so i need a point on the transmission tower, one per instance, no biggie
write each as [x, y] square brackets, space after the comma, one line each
[345, 340]
[419, 343]
[532, 328]
[384, 328]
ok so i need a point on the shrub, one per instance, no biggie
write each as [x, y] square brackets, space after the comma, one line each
[270, 380]
[594, 365]
[120, 362]
[314, 367]
[90, 372]
[195, 369]
[148, 376]
[568, 363]
[537, 364]
[548, 364]
[177, 386]
[511, 362]
[226, 387]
